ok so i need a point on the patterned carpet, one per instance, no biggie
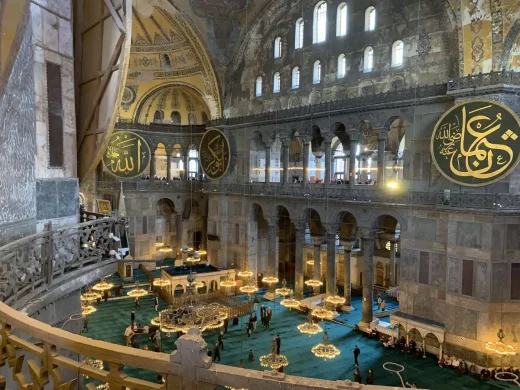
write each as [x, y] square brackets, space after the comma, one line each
[112, 317]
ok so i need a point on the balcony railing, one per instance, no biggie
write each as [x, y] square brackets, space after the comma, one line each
[370, 195]
[484, 80]
[34, 261]
[151, 185]
[161, 128]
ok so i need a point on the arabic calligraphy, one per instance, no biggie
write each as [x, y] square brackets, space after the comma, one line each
[215, 154]
[476, 143]
[127, 155]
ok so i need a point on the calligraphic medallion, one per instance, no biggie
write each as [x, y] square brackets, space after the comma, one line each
[476, 143]
[127, 155]
[214, 154]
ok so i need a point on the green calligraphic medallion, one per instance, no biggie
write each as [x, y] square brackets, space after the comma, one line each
[127, 155]
[476, 143]
[214, 154]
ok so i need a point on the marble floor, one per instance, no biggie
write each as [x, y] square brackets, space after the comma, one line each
[112, 317]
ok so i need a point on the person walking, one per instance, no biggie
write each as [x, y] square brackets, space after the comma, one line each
[248, 328]
[356, 352]
[357, 376]
[137, 303]
[156, 303]
[255, 319]
[157, 341]
[379, 300]
[216, 353]
[255, 304]
[221, 340]
[370, 377]
[85, 324]
[226, 323]
[278, 342]
[383, 305]
[132, 317]
[262, 315]
[105, 295]
[251, 357]
[274, 346]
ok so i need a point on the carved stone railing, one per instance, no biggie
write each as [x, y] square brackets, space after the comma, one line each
[32, 263]
[151, 185]
[484, 80]
[161, 128]
[370, 194]
[349, 103]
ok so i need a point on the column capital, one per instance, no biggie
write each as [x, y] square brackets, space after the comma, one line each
[317, 240]
[354, 134]
[368, 234]
[382, 134]
[267, 147]
[388, 236]
[348, 243]
[331, 228]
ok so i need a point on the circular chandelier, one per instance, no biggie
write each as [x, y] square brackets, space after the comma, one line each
[314, 283]
[192, 260]
[159, 244]
[270, 279]
[500, 347]
[325, 350]
[323, 314]
[245, 274]
[198, 284]
[310, 262]
[249, 289]
[202, 316]
[165, 249]
[103, 285]
[87, 310]
[290, 303]
[310, 327]
[90, 296]
[336, 300]
[201, 252]
[284, 291]
[186, 249]
[137, 292]
[274, 361]
[228, 282]
[159, 282]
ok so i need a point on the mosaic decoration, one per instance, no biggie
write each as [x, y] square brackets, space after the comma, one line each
[215, 154]
[424, 44]
[476, 143]
[129, 95]
[127, 155]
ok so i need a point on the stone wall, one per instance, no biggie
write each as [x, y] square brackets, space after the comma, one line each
[18, 145]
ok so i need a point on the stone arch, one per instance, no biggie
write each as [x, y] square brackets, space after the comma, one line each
[315, 98]
[178, 290]
[414, 334]
[390, 222]
[213, 286]
[347, 225]
[191, 207]
[312, 219]
[512, 38]
[203, 289]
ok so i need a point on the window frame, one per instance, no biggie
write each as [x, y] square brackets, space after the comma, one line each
[295, 72]
[316, 72]
[370, 18]
[319, 31]
[397, 44]
[276, 82]
[258, 86]
[299, 34]
[341, 20]
[342, 64]
[368, 49]
[277, 48]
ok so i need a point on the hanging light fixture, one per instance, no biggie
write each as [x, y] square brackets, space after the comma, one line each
[228, 282]
[310, 261]
[500, 347]
[274, 361]
[159, 244]
[165, 249]
[245, 274]
[159, 282]
[270, 280]
[87, 310]
[290, 303]
[90, 296]
[314, 283]
[336, 299]
[102, 285]
[192, 260]
[249, 288]
[284, 291]
[325, 350]
[323, 314]
[310, 327]
[137, 292]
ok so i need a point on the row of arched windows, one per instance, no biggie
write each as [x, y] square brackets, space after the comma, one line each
[368, 65]
[176, 119]
[320, 26]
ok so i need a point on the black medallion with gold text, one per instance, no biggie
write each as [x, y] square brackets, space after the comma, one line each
[127, 155]
[476, 143]
[214, 154]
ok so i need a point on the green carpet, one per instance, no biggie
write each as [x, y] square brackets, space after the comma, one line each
[112, 318]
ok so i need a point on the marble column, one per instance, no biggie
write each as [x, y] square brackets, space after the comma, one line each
[285, 156]
[179, 229]
[186, 158]
[368, 278]
[393, 270]
[346, 168]
[272, 254]
[328, 165]
[152, 166]
[317, 241]
[299, 263]
[168, 166]
[381, 143]
[331, 264]
[347, 284]
[352, 164]
[267, 164]
[305, 162]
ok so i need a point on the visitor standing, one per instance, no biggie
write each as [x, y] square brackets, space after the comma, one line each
[356, 352]
[379, 300]
[262, 315]
[383, 305]
[85, 324]
[157, 340]
[274, 346]
[137, 303]
[132, 317]
[357, 376]
[216, 353]
[255, 305]
[370, 377]
[221, 340]
[251, 357]
[278, 342]
[248, 328]
[226, 322]
[156, 303]
[105, 295]
[255, 319]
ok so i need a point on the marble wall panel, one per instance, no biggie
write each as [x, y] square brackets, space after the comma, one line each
[454, 275]
[438, 269]
[469, 234]
[422, 306]
[425, 229]
[461, 321]
[481, 287]
[500, 281]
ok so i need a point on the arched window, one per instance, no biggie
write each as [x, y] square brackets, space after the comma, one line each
[158, 117]
[204, 117]
[296, 78]
[276, 83]
[166, 61]
[369, 59]
[397, 53]
[193, 163]
[341, 20]
[339, 162]
[191, 119]
[278, 47]
[298, 36]
[258, 86]
[370, 19]
[342, 66]
[320, 22]
[316, 74]
[176, 118]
